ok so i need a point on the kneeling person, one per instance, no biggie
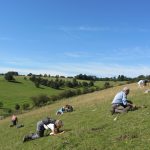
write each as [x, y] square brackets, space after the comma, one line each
[48, 123]
[120, 103]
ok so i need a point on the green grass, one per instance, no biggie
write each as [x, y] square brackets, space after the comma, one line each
[89, 127]
[19, 93]
[12, 93]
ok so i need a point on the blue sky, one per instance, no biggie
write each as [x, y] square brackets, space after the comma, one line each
[68, 37]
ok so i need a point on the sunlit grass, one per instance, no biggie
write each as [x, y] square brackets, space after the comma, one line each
[89, 127]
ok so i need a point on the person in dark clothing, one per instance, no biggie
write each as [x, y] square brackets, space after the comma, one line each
[14, 120]
[69, 108]
[43, 125]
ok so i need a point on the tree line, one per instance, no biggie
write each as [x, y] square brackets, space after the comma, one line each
[57, 83]
[118, 78]
[10, 77]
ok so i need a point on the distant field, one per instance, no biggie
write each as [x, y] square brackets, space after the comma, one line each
[89, 127]
[21, 92]
[12, 93]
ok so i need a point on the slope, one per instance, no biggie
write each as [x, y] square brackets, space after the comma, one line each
[89, 127]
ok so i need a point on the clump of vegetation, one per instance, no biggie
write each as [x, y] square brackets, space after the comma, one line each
[40, 100]
[9, 77]
[17, 106]
[25, 106]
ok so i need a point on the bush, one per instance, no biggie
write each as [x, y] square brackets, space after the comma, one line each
[91, 90]
[106, 85]
[78, 92]
[40, 100]
[8, 111]
[1, 104]
[37, 84]
[85, 90]
[67, 93]
[54, 98]
[25, 106]
[17, 106]
[9, 77]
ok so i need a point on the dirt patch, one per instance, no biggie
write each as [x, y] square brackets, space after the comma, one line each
[127, 137]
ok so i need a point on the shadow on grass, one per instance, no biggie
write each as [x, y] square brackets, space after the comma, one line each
[16, 82]
[99, 128]
[127, 137]
[67, 130]
[41, 88]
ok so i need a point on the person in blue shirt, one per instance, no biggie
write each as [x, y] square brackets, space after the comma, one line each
[60, 111]
[66, 108]
[120, 102]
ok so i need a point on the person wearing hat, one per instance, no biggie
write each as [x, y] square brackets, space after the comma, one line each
[120, 104]
[45, 124]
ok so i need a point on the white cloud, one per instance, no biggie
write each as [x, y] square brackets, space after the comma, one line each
[104, 28]
[76, 54]
[89, 69]
[84, 28]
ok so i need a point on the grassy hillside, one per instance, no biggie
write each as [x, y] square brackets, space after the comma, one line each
[21, 92]
[89, 127]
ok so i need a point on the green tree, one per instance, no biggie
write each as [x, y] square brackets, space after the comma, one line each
[25, 106]
[17, 106]
[9, 77]
[1, 104]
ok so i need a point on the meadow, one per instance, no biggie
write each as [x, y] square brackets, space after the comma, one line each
[90, 127]
[20, 92]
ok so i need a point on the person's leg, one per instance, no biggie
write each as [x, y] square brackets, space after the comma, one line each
[119, 108]
[19, 125]
[14, 122]
[31, 136]
[112, 109]
[126, 109]
[116, 108]
[35, 136]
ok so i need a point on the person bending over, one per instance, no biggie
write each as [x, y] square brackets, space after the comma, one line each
[120, 104]
[46, 124]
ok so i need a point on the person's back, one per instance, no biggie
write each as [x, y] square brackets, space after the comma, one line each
[48, 120]
[14, 120]
[42, 125]
[13, 117]
[141, 83]
[120, 98]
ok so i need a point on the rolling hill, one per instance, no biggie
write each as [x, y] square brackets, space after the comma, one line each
[89, 127]
[20, 92]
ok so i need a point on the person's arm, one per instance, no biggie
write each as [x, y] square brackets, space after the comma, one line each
[16, 120]
[54, 130]
[124, 99]
[51, 127]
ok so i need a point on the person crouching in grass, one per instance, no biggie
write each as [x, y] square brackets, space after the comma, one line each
[46, 124]
[120, 104]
